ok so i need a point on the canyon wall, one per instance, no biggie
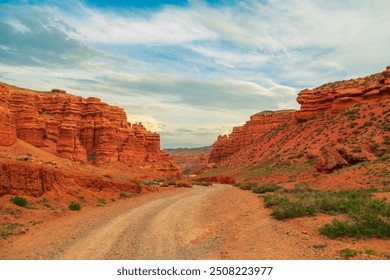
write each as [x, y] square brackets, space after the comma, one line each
[86, 130]
[242, 136]
[332, 98]
[336, 96]
[25, 178]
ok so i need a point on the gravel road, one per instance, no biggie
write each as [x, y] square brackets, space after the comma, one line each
[216, 222]
[160, 229]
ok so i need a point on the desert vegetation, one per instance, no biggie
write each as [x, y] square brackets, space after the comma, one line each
[361, 216]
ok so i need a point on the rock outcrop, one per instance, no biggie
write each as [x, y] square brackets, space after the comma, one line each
[332, 158]
[85, 130]
[25, 178]
[334, 97]
[242, 136]
[331, 98]
[7, 128]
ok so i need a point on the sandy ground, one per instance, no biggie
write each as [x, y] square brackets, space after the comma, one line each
[218, 222]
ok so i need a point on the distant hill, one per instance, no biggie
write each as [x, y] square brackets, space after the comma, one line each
[192, 160]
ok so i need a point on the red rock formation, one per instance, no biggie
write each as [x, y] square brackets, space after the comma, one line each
[242, 136]
[7, 129]
[332, 158]
[83, 129]
[35, 179]
[334, 97]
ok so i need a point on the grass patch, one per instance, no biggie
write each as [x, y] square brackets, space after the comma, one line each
[371, 252]
[124, 195]
[266, 187]
[246, 185]
[259, 188]
[74, 206]
[348, 253]
[19, 201]
[319, 246]
[271, 168]
[366, 217]
[10, 229]
[45, 202]
[102, 201]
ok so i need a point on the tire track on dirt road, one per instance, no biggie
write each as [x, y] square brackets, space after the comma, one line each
[160, 229]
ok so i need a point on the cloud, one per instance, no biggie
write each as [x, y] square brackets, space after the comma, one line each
[168, 26]
[192, 72]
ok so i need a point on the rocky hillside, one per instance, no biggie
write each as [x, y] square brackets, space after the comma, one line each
[41, 128]
[337, 96]
[242, 136]
[342, 126]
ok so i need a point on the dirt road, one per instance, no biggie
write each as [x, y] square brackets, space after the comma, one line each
[160, 229]
[218, 222]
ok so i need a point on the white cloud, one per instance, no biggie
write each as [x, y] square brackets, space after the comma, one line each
[168, 26]
[184, 70]
[231, 59]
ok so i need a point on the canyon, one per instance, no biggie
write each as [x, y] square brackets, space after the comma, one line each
[53, 138]
[331, 98]
[341, 126]
[242, 136]
[57, 149]
[192, 160]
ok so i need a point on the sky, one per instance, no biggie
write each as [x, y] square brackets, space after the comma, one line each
[191, 70]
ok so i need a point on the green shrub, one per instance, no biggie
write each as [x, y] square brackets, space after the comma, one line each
[74, 206]
[171, 182]
[125, 195]
[366, 226]
[20, 201]
[102, 201]
[319, 246]
[9, 229]
[350, 112]
[366, 217]
[183, 184]
[247, 185]
[206, 184]
[348, 253]
[290, 209]
[267, 187]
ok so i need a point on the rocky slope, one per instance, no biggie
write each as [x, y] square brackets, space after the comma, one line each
[87, 132]
[335, 97]
[343, 141]
[242, 136]
[83, 129]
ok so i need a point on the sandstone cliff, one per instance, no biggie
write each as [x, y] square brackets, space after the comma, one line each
[86, 130]
[347, 131]
[336, 96]
[33, 179]
[242, 136]
[330, 98]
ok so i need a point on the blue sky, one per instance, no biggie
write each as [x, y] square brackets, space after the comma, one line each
[191, 70]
